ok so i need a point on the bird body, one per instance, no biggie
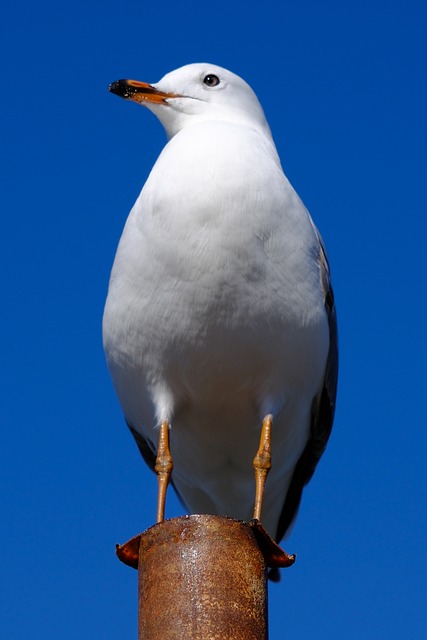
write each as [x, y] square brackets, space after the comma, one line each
[216, 313]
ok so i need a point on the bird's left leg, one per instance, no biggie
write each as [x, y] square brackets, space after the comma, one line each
[262, 464]
[163, 469]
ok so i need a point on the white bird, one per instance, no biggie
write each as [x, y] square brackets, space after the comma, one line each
[220, 312]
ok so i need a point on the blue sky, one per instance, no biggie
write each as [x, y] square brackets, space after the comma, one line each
[343, 86]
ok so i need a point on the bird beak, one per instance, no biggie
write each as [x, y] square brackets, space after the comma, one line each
[140, 92]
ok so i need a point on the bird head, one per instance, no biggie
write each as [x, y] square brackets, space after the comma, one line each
[194, 93]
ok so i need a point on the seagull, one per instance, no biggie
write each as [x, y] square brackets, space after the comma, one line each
[220, 320]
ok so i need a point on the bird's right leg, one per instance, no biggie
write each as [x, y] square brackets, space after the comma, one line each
[163, 469]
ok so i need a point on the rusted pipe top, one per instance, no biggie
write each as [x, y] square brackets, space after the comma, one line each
[275, 557]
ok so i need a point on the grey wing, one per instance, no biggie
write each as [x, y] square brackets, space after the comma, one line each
[146, 447]
[323, 409]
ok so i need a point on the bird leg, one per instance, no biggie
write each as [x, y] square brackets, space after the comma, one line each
[163, 469]
[262, 464]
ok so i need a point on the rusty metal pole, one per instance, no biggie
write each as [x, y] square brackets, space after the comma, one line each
[202, 577]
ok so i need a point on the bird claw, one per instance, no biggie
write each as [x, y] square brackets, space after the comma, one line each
[274, 556]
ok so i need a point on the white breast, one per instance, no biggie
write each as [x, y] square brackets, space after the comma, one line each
[215, 314]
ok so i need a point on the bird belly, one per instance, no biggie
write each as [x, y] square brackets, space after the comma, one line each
[214, 318]
[214, 373]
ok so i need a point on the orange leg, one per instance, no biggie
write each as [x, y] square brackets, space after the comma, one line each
[163, 468]
[262, 464]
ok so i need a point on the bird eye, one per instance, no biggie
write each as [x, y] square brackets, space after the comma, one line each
[211, 80]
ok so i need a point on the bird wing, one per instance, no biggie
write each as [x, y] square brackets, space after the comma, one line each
[323, 408]
[146, 447]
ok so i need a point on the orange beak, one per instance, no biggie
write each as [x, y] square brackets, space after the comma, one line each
[139, 92]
